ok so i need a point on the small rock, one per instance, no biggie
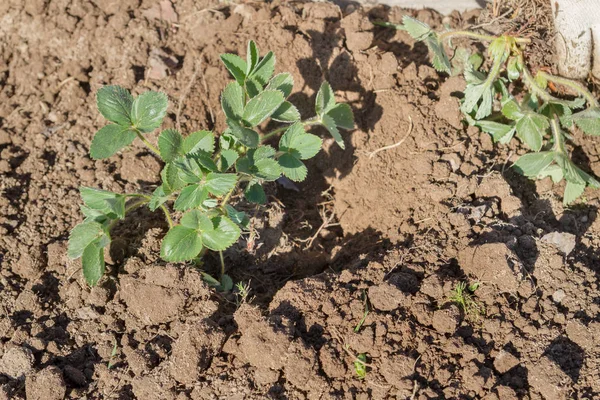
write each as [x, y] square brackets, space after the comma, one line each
[558, 296]
[48, 384]
[565, 242]
[16, 362]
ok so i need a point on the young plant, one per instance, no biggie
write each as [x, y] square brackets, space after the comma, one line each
[463, 296]
[203, 172]
[494, 102]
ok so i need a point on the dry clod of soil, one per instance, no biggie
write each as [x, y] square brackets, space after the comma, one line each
[504, 361]
[47, 384]
[150, 304]
[565, 242]
[16, 362]
[547, 378]
[495, 186]
[446, 320]
[490, 264]
[387, 297]
[192, 352]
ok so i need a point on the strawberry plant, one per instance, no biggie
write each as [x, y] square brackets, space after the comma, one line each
[508, 100]
[203, 172]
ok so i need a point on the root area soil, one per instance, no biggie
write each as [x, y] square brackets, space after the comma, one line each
[361, 259]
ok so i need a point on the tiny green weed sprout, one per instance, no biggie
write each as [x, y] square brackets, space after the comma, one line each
[202, 171]
[508, 100]
[360, 367]
[463, 296]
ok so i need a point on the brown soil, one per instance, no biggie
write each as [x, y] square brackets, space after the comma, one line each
[408, 225]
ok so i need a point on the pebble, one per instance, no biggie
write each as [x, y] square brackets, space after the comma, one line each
[558, 296]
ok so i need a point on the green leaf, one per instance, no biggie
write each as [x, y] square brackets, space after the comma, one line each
[359, 366]
[253, 87]
[267, 169]
[223, 234]
[180, 244]
[287, 112]
[226, 284]
[512, 110]
[262, 106]
[325, 99]
[255, 193]
[532, 164]
[329, 123]
[188, 169]
[92, 262]
[205, 160]
[85, 234]
[571, 172]
[416, 29]
[501, 133]
[232, 101]
[199, 140]
[531, 128]
[171, 178]
[110, 139]
[262, 152]
[239, 217]
[264, 70]
[227, 159]
[251, 57]
[283, 82]
[170, 144]
[191, 197]
[554, 171]
[109, 203]
[218, 184]
[299, 143]
[159, 197]
[512, 69]
[342, 115]
[114, 103]
[245, 136]
[588, 121]
[473, 93]
[292, 167]
[572, 192]
[440, 60]
[148, 111]
[236, 66]
[197, 220]
[498, 49]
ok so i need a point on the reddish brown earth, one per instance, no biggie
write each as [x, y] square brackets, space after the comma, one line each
[408, 225]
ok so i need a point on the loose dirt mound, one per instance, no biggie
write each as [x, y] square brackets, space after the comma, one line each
[392, 232]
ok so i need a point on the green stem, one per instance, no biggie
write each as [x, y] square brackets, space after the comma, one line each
[167, 215]
[228, 197]
[559, 145]
[533, 85]
[128, 209]
[571, 85]
[308, 122]
[149, 145]
[222, 265]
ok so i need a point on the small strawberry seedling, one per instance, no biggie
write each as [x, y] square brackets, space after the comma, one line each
[509, 100]
[203, 172]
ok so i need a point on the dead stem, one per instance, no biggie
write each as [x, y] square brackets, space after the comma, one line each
[410, 128]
